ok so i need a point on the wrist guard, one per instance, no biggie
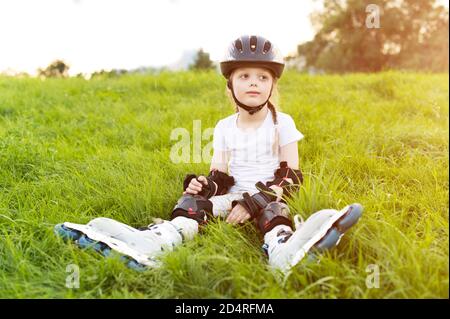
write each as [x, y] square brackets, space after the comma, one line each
[218, 183]
[281, 176]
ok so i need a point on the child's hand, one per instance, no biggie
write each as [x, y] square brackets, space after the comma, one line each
[195, 186]
[278, 190]
[238, 215]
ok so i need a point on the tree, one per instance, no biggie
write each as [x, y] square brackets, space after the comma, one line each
[56, 69]
[411, 34]
[202, 61]
[109, 74]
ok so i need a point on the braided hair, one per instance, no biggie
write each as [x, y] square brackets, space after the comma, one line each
[275, 121]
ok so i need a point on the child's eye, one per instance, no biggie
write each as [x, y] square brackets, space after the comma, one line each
[261, 77]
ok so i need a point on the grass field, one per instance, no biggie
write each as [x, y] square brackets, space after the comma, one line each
[73, 150]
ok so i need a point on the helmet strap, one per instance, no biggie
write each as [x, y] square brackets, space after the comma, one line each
[250, 109]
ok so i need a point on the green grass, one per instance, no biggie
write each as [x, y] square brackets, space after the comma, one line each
[73, 150]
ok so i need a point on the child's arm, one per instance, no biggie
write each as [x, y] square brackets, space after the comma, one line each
[289, 153]
[220, 161]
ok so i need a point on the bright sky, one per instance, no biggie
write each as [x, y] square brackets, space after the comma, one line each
[104, 34]
[92, 35]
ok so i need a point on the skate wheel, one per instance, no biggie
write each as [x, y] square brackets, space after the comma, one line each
[67, 233]
[101, 248]
[85, 242]
[350, 218]
[312, 258]
[106, 251]
[330, 240]
[133, 264]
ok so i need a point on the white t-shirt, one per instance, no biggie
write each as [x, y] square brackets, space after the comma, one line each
[252, 155]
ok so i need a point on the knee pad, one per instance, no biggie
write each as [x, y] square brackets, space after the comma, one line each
[195, 207]
[274, 214]
[255, 204]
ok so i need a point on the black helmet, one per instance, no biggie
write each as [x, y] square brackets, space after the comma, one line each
[252, 50]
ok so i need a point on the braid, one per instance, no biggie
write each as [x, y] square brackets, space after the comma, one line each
[273, 111]
[276, 142]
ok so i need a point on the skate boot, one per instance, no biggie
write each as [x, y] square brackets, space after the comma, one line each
[139, 248]
[321, 231]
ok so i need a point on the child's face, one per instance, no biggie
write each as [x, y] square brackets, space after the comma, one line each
[252, 79]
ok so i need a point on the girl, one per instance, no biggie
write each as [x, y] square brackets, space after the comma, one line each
[255, 166]
[251, 144]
